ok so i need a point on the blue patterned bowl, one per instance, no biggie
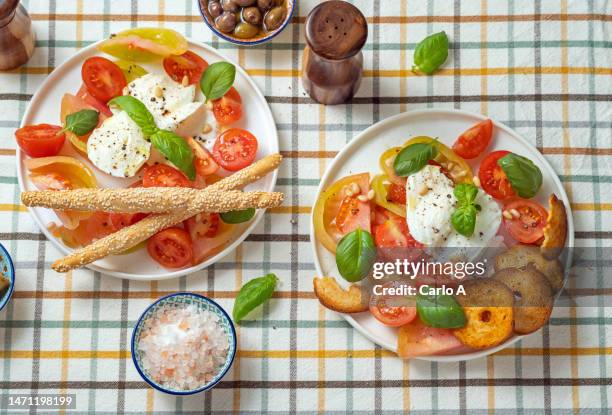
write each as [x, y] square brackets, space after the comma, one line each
[8, 270]
[202, 303]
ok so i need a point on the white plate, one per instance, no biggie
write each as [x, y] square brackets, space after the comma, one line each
[362, 154]
[45, 108]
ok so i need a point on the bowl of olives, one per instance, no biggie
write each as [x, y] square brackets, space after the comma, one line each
[246, 22]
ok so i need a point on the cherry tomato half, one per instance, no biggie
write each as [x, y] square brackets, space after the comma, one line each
[204, 163]
[493, 178]
[103, 78]
[228, 109]
[203, 225]
[235, 149]
[528, 228]
[171, 248]
[474, 141]
[40, 140]
[162, 175]
[188, 64]
[386, 308]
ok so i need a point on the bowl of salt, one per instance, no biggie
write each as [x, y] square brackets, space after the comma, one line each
[183, 344]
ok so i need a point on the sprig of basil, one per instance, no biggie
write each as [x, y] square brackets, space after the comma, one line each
[81, 122]
[176, 150]
[355, 255]
[414, 157]
[237, 216]
[440, 311]
[138, 112]
[217, 79]
[253, 294]
[524, 176]
[463, 218]
[431, 53]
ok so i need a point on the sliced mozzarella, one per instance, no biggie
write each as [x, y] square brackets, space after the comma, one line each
[171, 104]
[118, 147]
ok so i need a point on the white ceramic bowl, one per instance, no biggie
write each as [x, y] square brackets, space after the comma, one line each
[45, 108]
[362, 154]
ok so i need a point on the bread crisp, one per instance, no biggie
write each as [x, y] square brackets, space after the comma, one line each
[555, 231]
[332, 296]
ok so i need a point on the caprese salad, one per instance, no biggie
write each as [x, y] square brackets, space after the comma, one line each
[170, 127]
[427, 196]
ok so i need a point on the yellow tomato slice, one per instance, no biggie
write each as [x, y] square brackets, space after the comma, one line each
[131, 70]
[144, 44]
[327, 206]
[457, 167]
[380, 195]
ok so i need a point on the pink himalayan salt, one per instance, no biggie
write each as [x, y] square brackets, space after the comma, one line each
[182, 347]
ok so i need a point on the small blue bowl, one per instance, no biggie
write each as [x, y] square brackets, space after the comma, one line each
[8, 271]
[246, 42]
[203, 303]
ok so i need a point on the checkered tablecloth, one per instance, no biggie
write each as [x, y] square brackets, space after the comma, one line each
[542, 67]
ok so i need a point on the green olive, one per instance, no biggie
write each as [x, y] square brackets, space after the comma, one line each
[245, 30]
[274, 18]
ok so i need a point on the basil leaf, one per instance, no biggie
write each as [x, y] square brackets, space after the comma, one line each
[176, 150]
[464, 220]
[253, 294]
[217, 79]
[81, 122]
[355, 255]
[524, 176]
[414, 157]
[238, 216]
[431, 53]
[138, 112]
[440, 311]
[465, 193]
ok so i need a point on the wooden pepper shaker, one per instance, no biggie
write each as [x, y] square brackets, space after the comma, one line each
[332, 63]
[16, 35]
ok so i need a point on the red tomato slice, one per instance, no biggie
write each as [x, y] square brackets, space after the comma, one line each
[394, 233]
[162, 175]
[171, 248]
[204, 162]
[528, 228]
[474, 141]
[40, 140]
[202, 225]
[228, 109]
[396, 194]
[103, 78]
[188, 64]
[235, 149]
[416, 339]
[84, 94]
[387, 309]
[493, 178]
[122, 220]
[353, 214]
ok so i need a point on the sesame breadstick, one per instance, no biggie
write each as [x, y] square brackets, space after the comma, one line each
[146, 200]
[130, 236]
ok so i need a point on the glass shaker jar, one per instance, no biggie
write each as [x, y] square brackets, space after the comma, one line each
[332, 63]
[16, 35]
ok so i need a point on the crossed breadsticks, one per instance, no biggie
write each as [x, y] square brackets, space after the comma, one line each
[170, 206]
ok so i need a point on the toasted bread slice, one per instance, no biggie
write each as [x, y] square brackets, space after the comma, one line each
[487, 305]
[519, 256]
[533, 297]
[332, 296]
[555, 230]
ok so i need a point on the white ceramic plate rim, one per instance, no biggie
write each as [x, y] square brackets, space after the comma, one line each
[273, 141]
[550, 174]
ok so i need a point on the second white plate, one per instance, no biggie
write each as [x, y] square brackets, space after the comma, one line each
[362, 154]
